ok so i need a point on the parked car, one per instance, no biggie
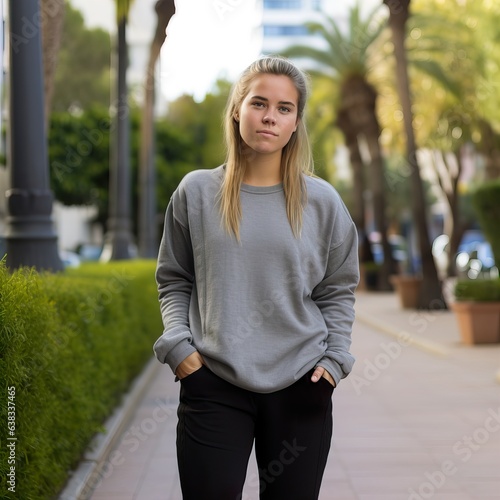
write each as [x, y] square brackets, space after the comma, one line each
[397, 244]
[89, 252]
[473, 259]
[69, 259]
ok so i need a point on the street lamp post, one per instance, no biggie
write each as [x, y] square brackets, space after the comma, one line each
[30, 236]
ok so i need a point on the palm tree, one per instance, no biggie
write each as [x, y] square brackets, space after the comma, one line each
[118, 240]
[346, 63]
[431, 295]
[148, 247]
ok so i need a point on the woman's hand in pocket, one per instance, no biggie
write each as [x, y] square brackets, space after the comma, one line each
[189, 365]
[320, 372]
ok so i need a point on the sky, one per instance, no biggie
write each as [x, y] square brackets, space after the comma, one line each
[206, 39]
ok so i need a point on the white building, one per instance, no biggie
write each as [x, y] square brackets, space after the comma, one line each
[284, 21]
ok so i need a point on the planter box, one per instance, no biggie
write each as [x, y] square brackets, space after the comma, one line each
[408, 289]
[479, 322]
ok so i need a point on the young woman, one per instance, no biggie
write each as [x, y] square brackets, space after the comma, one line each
[256, 277]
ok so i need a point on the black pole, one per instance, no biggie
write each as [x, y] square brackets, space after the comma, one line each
[30, 236]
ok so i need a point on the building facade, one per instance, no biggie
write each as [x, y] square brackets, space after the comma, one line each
[283, 23]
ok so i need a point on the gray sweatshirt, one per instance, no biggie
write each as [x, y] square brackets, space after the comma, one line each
[263, 311]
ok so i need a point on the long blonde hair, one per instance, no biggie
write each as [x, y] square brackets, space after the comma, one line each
[296, 157]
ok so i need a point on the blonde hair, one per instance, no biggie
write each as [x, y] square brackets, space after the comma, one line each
[296, 158]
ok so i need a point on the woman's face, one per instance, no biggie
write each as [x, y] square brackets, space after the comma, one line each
[268, 114]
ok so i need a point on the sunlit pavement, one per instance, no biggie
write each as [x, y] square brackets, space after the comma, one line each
[418, 418]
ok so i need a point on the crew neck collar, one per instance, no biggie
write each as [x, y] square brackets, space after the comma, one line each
[248, 188]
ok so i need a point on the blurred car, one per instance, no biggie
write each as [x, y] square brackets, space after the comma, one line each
[397, 244]
[69, 259]
[474, 257]
[89, 252]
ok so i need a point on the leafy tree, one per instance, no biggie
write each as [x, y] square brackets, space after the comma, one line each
[202, 122]
[79, 159]
[431, 295]
[82, 76]
[453, 66]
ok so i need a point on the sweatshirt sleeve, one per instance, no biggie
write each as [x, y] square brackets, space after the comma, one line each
[175, 277]
[335, 297]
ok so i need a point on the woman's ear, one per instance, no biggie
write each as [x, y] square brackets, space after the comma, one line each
[236, 117]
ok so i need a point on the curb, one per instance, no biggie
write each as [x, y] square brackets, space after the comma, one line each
[419, 342]
[82, 481]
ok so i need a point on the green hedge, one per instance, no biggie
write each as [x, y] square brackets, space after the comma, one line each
[486, 202]
[70, 345]
[478, 290]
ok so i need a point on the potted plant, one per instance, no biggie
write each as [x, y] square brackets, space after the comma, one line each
[477, 308]
[407, 287]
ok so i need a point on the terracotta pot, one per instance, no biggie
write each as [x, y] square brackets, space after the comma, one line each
[479, 322]
[408, 289]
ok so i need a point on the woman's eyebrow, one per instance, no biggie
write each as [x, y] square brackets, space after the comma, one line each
[287, 103]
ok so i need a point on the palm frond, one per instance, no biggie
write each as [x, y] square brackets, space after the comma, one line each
[435, 71]
[123, 9]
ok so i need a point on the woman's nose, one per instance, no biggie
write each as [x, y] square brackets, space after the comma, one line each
[269, 118]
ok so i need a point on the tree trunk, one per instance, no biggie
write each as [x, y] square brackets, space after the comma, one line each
[357, 166]
[490, 148]
[351, 142]
[359, 106]
[448, 176]
[118, 244]
[378, 193]
[148, 246]
[52, 24]
[431, 296]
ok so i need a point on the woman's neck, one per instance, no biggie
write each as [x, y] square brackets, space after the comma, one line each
[263, 171]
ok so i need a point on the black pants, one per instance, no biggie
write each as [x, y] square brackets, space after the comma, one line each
[218, 423]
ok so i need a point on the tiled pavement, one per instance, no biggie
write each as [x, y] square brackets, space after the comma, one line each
[418, 418]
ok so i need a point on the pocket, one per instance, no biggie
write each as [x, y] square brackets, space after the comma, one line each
[327, 382]
[192, 374]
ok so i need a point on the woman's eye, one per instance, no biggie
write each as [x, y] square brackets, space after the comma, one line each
[258, 104]
[285, 109]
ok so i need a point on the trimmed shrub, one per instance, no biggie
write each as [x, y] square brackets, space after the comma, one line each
[70, 345]
[478, 290]
[486, 202]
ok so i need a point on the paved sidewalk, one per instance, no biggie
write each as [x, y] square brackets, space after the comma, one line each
[418, 418]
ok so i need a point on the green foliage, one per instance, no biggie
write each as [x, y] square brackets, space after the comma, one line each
[202, 123]
[478, 290]
[348, 52]
[79, 158]
[70, 345]
[82, 77]
[485, 200]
